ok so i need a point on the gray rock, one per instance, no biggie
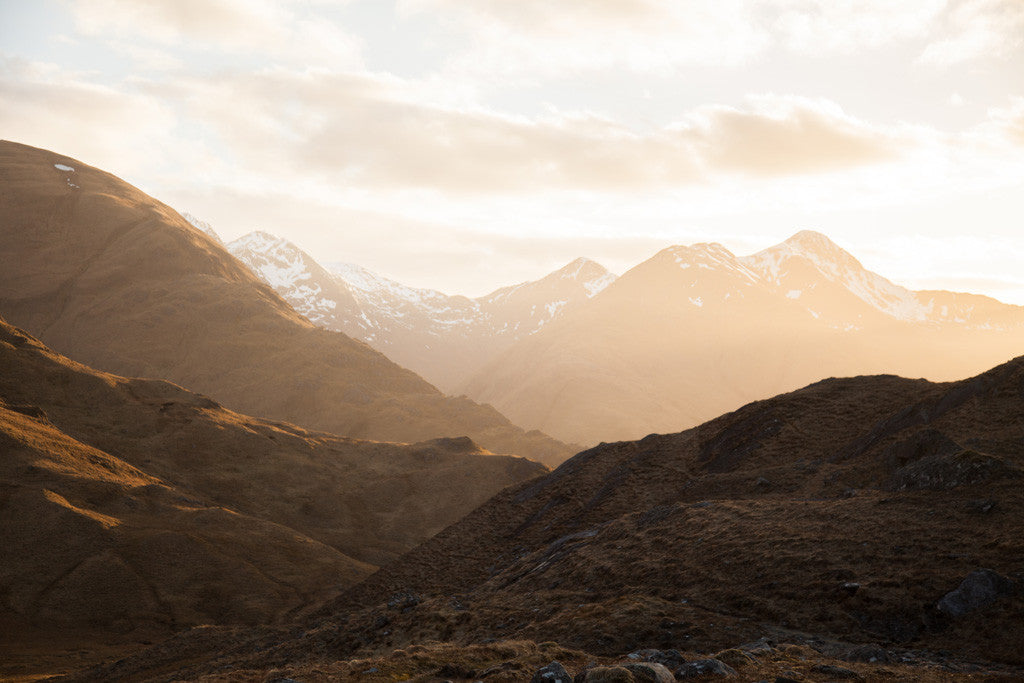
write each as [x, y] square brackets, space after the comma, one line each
[980, 506]
[552, 673]
[758, 647]
[849, 588]
[671, 659]
[945, 472]
[868, 653]
[839, 672]
[404, 601]
[705, 667]
[981, 588]
[649, 672]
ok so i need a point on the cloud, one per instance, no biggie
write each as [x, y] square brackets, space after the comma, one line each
[538, 39]
[786, 136]
[271, 29]
[375, 132]
[1005, 123]
[146, 58]
[534, 38]
[847, 26]
[60, 110]
[228, 22]
[975, 29]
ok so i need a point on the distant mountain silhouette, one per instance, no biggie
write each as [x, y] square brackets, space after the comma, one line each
[115, 279]
[690, 333]
[696, 331]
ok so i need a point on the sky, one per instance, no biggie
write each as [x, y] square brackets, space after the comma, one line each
[464, 145]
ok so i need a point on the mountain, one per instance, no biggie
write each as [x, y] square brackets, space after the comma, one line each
[113, 278]
[202, 225]
[132, 504]
[697, 331]
[865, 528]
[442, 337]
[809, 264]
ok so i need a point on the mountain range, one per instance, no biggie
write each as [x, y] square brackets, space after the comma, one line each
[688, 334]
[442, 337]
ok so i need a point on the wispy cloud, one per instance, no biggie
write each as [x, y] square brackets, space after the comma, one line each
[972, 29]
[367, 131]
[262, 27]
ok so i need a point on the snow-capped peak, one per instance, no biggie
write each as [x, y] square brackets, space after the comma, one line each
[383, 291]
[592, 275]
[839, 266]
[710, 256]
[259, 241]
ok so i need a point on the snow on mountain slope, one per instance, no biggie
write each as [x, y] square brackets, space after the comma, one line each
[309, 288]
[523, 309]
[447, 338]
[777, 265]
[810, 261]
[202, 225]
[440, 336]
[391, 304]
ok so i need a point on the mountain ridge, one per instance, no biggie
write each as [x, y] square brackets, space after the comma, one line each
[111, 277]
[696, 331]
[443, 337]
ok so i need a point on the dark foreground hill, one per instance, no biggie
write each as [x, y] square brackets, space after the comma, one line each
[109, 276]
[131, 504]
[875, 524]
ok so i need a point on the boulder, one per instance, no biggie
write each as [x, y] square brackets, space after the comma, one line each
[671, 659]
[837, 672]
[649, 672]
[704, 667]
[979, 589]
[608, 674]
[552, 673]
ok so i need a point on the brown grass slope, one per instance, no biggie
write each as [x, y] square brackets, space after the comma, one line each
[115, 279]
[371, 500]
[746, 526]
[91, 541]
[835, 517]
[126, 502]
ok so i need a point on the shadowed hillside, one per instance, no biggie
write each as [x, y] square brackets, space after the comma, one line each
[133, 504]
[872, 522]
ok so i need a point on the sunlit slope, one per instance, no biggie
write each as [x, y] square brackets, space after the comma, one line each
[696, 331]
[115, 279]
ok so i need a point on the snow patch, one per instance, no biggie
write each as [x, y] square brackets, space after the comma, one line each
[554, 307]
[592, 287]
[62, 167]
